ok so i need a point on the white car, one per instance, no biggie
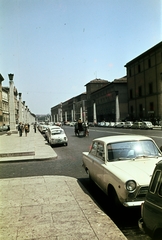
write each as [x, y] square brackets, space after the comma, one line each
[119, 124]
[58, 136]
[122, 167]
[128, 124]
[146, 125]
[49, 129]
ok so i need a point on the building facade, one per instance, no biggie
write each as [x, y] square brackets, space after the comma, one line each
[5, 106]
[144, 82]
[109, 103]
[70, 110]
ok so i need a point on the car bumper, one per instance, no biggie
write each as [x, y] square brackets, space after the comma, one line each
[59, 141]
[132, 204]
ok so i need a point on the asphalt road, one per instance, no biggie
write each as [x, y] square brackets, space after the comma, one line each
[69, 163]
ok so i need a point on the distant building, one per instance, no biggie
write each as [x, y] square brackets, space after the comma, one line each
[70, 110]
[107, 101]
[144, 80]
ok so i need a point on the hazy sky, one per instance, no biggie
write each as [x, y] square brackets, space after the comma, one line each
[55, 47]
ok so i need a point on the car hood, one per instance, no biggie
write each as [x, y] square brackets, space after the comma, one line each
[139, 170]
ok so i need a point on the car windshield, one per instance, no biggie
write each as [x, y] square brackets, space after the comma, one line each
[132, 150]
[59, 131]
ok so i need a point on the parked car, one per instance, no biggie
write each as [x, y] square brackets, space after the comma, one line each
[58, 136]
[91, 124]
[146, 125]
[111, 124]
[43, 128]
[122, 166]
[4, 128]
[128, 124]
[72, 124]
[107, 124]
[151, 209]
[48, 130]
[136, 125]
[119, 124]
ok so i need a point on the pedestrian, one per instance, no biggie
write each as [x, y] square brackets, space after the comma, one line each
[20, 129]
[35, 127]
[26, 129]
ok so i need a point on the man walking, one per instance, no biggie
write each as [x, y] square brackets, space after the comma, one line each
[35, 127]
[20, 129]
[26, 129]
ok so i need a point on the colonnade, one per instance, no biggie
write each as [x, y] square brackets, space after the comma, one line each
[24, 115]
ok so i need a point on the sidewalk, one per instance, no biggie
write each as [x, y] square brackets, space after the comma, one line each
[32, 147]
[47, 207]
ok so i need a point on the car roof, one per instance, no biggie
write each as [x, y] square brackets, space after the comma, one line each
[120, 138]
[54, 127]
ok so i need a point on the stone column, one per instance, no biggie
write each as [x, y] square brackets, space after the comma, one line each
[117, 111]
[65, 116]
[12, 104]
[81, 113]
[72, 115]
[94, 113]
[20, 109]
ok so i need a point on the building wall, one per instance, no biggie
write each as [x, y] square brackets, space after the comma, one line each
[144, 75]
[5, 105]
[70, 110]
[1, 113]
[105, 100]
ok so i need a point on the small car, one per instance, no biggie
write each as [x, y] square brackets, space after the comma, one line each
[122, 166]
[119, 124]
[136, 125]
[58, 136]
[146, 125]
[128, 124]
[72, 124]
[48, 130]
[151, 209]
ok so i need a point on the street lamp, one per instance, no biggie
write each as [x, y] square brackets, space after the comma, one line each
[10, 75]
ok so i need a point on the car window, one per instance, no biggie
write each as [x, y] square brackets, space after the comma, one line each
[160, 189]
[100, 151]
[131, 149]
[54, 132]
[93, 150]
[155, 181]
[117, 150]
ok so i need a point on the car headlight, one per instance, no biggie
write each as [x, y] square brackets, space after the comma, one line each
[131, 185]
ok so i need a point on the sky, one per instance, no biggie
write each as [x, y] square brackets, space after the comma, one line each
[55, 47]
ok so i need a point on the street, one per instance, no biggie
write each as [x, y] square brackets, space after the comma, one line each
[69, 163]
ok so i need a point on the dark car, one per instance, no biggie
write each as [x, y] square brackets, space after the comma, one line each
[151, 209]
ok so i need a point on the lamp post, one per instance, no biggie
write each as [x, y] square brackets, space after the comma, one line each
[20, 108]
[12, 104]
